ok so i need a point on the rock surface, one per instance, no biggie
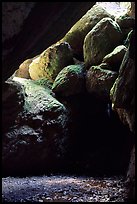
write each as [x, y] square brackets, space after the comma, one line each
[51, 61]
[70, 81]
[75, 36]
[123, 99]
[99, 42]
[100, 81]
[23, 70]
[38, 140]
[115, 58]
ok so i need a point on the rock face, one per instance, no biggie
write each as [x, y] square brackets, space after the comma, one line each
[123, 98]
[75, 36]
[99, 42]
[115, 58]
[70, 81]
[37, 139]
[51, 61]
[100, 81]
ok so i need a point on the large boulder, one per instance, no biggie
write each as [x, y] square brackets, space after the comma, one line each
[51, 61]
[115, 58]
[70, 81]
[37, 141]
[99, 81]
[101, 40]
[75, 36]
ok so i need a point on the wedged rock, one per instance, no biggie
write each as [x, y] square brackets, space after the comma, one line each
[101, 40]
[51, 61]
[100, 81]
[115, 58]
[125, 21]
[70, 81]
[75, 36]
[38, 139]
[126, 24]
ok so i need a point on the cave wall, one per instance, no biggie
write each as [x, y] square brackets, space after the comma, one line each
[29, 28]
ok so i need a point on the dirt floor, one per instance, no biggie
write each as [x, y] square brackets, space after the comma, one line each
[62, 188]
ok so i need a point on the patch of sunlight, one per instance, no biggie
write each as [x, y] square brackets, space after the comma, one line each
[115, 8]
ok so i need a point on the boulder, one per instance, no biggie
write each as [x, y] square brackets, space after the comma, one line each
[37, 141]
[70, 81]
[99, 42]
[115, 58]
[51, 61]
[100, 81]
[75, 36]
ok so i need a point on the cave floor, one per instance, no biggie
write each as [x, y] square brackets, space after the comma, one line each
[63, 188]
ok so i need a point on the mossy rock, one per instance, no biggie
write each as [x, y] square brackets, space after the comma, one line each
[75, 36]
[101, 40]
[69, 81]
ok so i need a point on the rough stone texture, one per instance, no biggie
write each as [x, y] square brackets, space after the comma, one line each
[99, 42]
[51, 61]
[115, 58]
[23, 70]
[100, 81]
[75, 36]
[70, 81]
[12, 103]
[37, 140]
[123, 98]
[123, 91]
[126, 24]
